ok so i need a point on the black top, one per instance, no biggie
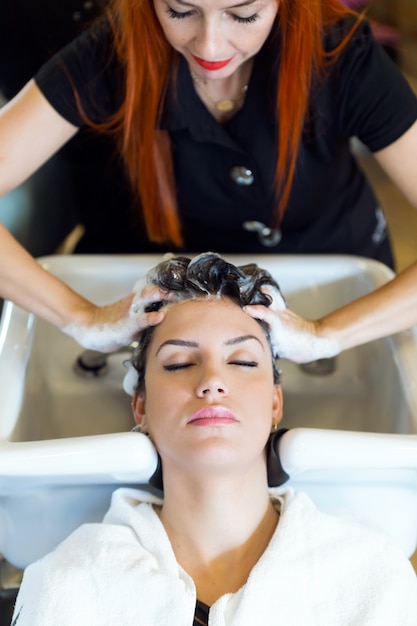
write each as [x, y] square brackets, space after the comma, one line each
[201, 614]
[331, 208]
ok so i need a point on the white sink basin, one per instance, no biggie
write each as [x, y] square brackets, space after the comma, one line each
[65, 442]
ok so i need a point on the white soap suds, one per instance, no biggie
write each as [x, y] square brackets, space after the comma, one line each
[130, 380]
[108, 337]
[299, 346]
[291, 343]
[278, 301]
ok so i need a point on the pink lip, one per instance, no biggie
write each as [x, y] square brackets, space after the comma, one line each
[212, 65]
[212, 416]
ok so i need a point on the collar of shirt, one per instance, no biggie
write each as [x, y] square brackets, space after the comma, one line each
[183, 108]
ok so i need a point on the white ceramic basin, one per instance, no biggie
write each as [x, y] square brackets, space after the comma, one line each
[65, 442]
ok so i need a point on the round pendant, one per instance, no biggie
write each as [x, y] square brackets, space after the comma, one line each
[225, 105]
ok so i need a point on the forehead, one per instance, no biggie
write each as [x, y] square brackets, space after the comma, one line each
[209, 318]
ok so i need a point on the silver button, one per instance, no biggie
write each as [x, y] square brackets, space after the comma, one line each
[267, 236]
[241, 175]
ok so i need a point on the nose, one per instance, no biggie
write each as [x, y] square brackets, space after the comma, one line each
[211, 384]
[208, 40]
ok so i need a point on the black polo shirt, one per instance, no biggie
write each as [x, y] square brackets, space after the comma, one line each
[331, 208]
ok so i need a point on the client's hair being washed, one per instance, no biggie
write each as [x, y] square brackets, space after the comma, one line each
[207, 275]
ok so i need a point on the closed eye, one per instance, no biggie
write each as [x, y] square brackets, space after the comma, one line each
[173, 367]
[246, 20]
[176, 15]
[244, 363]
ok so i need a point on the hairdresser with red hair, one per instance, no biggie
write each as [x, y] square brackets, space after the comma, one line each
[232, 121]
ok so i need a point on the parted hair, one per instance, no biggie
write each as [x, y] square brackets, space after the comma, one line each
[150, 63]
[207, 275]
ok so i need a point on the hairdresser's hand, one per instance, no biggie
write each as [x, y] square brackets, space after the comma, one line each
[293, 337]
[110, 327]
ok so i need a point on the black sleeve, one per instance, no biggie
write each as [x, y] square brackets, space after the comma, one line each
[87, 68]
[375, 101]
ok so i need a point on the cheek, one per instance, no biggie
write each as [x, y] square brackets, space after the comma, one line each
[154, 399]
[165, 29]
[162, 398]
[264, 401]
[165, 22]
[175, 33]
[263, 33]
[252, 43]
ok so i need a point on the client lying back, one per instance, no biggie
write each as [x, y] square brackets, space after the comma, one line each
[216, 545]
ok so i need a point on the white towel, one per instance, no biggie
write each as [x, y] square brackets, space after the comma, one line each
[318, 570]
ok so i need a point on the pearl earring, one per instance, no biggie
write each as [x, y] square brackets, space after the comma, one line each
[138, 429]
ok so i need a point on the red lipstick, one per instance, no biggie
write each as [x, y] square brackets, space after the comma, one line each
[212, 65]
[212, 416]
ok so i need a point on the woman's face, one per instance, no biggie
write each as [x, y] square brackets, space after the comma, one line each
[216, 36]
[209, 396]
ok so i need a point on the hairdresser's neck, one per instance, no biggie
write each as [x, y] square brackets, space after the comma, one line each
[219, 527]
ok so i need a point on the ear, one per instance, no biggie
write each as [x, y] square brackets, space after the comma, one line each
[277, 405]
[138, 409]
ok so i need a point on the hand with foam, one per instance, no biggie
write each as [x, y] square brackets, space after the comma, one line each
[115, 325]
[292, 337]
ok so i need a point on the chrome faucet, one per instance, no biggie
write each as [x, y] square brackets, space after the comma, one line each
[93, 364]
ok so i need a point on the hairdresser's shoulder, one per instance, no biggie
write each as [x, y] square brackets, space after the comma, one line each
[356, 26]
[98, 35]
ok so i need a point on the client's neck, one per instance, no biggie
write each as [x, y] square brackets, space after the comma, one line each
[219, 527]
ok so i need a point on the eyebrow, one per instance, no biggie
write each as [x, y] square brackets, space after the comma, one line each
[241, 339]
[193, 344]
[233, 6]
[177, 342]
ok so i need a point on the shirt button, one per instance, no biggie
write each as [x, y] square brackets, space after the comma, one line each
[241, 175]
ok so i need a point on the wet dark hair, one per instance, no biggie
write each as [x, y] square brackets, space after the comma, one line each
[206, 275]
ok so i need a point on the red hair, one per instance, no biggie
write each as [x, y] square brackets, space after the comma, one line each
[149, 61]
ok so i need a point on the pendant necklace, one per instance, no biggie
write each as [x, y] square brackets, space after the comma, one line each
[225, 105]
